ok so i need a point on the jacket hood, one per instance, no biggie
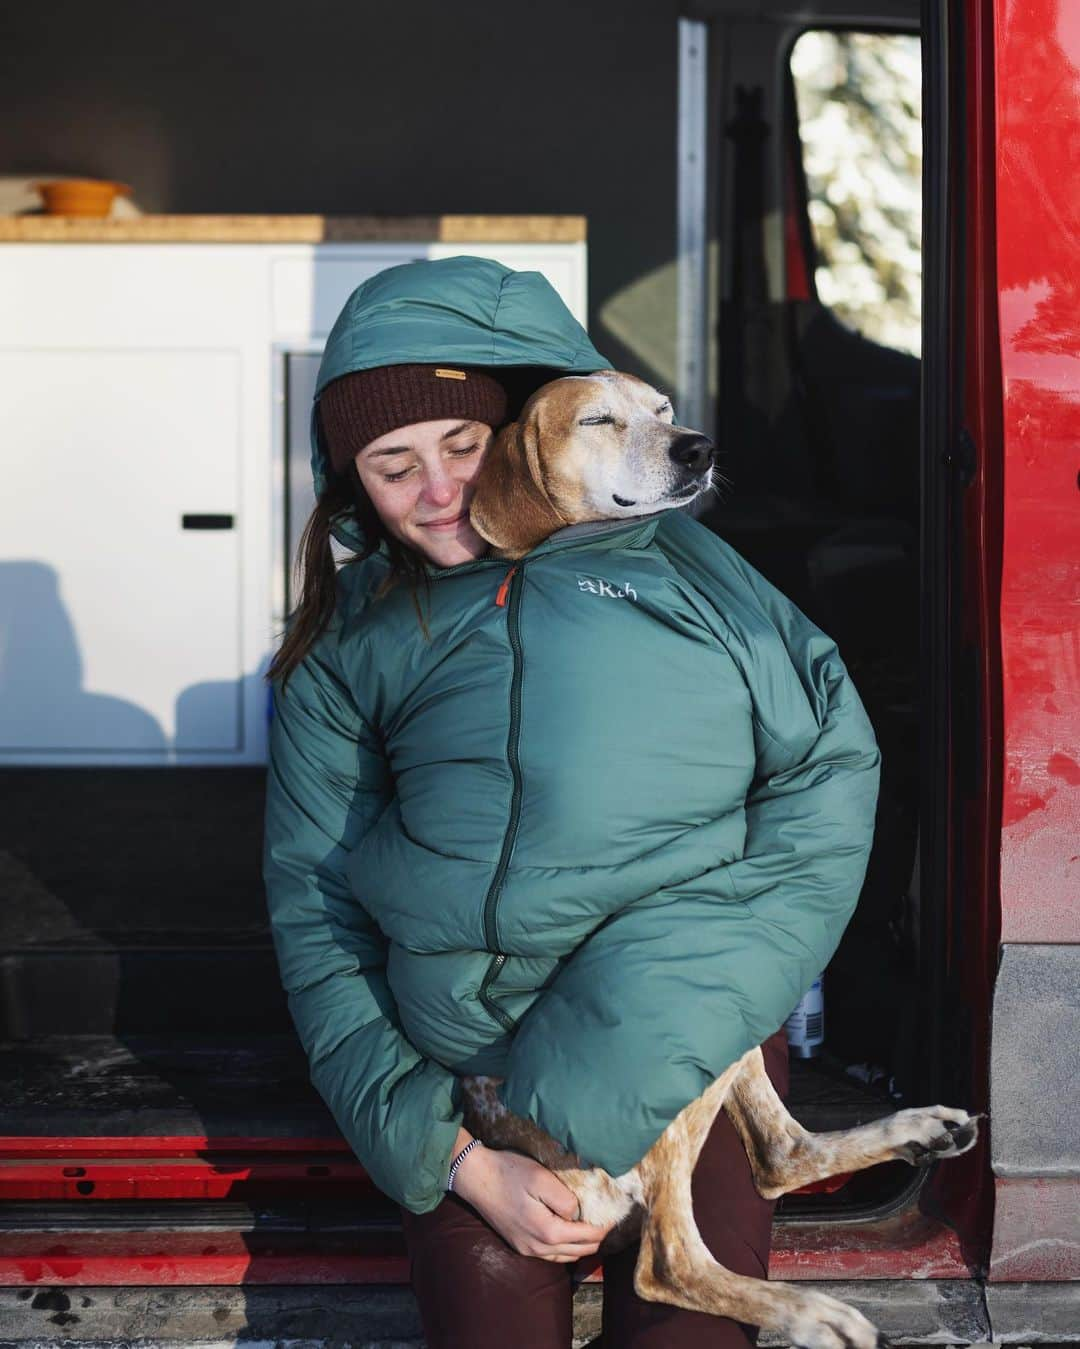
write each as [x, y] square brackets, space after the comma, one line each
[463, 311]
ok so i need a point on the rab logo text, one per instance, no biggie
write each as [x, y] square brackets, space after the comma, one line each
[596, 586]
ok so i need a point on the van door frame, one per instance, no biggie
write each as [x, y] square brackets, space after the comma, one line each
[958, 662]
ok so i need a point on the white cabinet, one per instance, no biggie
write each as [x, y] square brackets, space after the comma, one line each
[147, 453]
[125, 625]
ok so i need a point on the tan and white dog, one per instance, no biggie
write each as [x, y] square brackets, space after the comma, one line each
[600, 447]
[586, 447]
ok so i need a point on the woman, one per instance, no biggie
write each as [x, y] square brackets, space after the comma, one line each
[469, 868]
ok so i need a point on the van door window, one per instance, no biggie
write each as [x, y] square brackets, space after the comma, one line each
[858, 99]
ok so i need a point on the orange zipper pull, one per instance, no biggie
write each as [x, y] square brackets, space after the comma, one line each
[500, 598]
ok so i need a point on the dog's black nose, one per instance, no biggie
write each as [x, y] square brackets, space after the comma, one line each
[693, 451]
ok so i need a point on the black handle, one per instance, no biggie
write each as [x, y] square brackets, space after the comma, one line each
[207, 521]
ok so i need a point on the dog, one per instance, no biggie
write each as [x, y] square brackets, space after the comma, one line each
[586, 447]
[601, 447]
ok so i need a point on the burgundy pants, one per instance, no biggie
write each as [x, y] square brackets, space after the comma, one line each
[476, 1292]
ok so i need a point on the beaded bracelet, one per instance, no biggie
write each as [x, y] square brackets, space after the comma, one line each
[457, 1162]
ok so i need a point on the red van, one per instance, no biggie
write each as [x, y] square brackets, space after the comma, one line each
[169, 1176]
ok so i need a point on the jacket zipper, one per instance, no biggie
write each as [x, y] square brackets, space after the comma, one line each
[511, 588]
[500, 598]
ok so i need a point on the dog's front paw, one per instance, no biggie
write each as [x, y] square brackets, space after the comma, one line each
[824, 1323]
[922, 1136]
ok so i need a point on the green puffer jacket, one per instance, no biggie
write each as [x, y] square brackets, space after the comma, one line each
[597, 836]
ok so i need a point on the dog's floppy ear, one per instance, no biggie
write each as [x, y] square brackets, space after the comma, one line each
[510, 507]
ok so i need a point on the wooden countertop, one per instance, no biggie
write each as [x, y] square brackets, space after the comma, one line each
[294, 229]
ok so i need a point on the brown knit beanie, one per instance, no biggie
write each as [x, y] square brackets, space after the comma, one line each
[356, 409]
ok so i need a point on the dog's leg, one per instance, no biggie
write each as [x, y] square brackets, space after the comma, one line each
[675, 1266]
[602, 1199]
[489, 1120]
[784, 1155]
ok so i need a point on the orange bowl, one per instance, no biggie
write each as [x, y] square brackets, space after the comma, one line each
[81, 196]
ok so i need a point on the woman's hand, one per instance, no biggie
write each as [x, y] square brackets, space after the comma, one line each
[530, 1208]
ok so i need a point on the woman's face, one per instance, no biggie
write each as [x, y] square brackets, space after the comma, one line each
[421, 476]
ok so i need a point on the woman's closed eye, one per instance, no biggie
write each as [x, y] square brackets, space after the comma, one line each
[455, 454]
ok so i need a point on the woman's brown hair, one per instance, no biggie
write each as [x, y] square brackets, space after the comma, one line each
[343, 499]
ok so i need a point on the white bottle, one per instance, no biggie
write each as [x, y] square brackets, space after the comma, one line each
[806, 1025]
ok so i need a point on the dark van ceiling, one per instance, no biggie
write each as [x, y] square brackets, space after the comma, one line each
[860, 13]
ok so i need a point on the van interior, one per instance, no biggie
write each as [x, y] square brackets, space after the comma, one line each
[141, 995]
